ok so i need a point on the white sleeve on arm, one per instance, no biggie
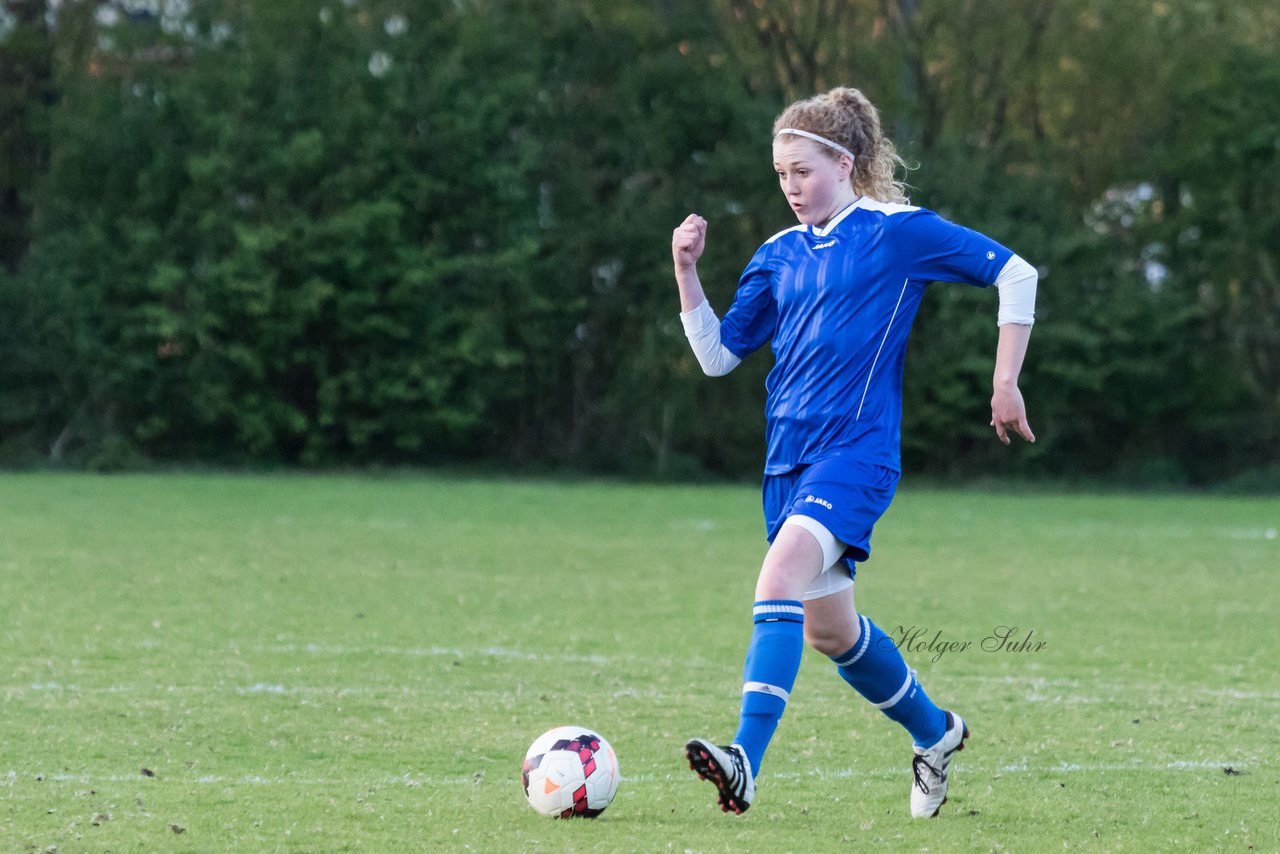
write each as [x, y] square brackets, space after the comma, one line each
[702, 328]
[1017, 286]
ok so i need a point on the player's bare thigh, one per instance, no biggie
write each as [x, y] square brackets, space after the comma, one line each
[792, 563]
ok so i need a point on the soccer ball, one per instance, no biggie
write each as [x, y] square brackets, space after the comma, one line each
[570, 772]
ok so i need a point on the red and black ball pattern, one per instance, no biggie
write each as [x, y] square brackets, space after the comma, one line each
[585, 746]
[529, 764]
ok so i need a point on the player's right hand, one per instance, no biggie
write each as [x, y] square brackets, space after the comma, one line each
[688, 241]
[1009, 414]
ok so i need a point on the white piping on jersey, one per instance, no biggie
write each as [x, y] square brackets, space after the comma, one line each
[886, 208]
[835, 220]
[800, 227]
[867, 387]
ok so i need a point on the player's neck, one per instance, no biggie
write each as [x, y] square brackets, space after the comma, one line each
[842, 202]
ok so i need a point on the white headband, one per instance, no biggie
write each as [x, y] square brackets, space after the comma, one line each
[822, 139]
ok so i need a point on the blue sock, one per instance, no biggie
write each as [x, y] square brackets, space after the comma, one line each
[773, 660]
[875, 669]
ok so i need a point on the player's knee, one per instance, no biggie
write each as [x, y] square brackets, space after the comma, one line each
[826, 639]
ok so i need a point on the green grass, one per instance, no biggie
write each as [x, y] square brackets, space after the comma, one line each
[343, 663]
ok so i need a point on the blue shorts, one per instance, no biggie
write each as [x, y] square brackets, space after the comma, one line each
[847, 496]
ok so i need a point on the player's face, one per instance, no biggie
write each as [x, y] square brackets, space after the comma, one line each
[816, 185]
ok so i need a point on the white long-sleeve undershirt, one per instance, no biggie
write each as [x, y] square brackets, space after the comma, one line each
[1016, 284]
[702, 328]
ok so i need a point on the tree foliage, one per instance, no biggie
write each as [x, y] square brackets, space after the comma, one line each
[376, 231]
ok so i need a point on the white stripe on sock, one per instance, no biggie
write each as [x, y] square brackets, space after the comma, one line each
[862, 647]
[902, 692]
[756, 610]
[765, 688]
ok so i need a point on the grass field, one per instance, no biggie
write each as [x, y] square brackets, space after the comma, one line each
[343, 663]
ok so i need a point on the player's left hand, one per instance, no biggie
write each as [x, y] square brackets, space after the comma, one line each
[1009, 414]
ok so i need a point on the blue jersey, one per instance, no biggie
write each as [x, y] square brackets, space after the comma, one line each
[837, 302]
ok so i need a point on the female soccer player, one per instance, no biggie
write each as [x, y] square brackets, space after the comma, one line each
[835, 295]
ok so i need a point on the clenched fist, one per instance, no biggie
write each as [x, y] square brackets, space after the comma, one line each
[688, 241]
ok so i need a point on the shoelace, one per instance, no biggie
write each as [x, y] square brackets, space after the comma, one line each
[916, 762]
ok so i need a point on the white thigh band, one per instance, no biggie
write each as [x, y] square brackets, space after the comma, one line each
[834, 580]
[832, 549]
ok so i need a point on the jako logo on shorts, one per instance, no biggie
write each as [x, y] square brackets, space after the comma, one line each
[810, 499]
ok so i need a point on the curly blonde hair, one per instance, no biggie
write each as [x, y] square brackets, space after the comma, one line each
[846, 116]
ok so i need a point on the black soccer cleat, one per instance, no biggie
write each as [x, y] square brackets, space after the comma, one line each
[728, 769]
